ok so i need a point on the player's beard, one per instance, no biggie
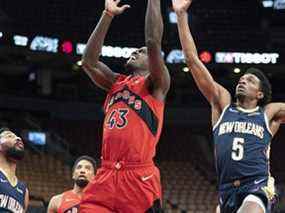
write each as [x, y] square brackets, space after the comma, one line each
[81, 182]
[15, 154]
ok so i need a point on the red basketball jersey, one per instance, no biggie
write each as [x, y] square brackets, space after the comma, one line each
[69, 203]
[133, 121]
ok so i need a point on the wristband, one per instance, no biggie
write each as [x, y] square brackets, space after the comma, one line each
[107, 12]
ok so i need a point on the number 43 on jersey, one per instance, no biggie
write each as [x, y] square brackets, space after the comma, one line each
[117, 118]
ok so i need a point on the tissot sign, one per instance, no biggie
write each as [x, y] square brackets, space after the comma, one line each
[246, 58]
[174, 56]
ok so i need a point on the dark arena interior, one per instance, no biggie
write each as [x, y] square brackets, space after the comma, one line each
[47, 99]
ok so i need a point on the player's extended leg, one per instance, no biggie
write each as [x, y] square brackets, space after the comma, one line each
[252, 204]
[139, 191]
[98, 196]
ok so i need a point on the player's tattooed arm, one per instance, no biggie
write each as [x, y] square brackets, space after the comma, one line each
[276, 115]
[159, 75]
[100, 73]
[216, 95]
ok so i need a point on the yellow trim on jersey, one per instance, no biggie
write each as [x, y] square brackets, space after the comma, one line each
[270, 188]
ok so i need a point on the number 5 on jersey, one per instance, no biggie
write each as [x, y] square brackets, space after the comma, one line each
[117, 119]
[238, 149]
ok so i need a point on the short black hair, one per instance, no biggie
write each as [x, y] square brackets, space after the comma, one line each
[265, 85]
[4, 129]
[87, 158]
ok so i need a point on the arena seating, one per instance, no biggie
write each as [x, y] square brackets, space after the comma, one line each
[44, 174]
[185, 187]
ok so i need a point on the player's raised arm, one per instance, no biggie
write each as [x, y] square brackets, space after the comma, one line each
[276, 115]
[215, 93]
[159, 75]
[101, 74]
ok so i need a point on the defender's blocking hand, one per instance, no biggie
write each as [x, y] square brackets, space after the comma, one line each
[181, 5]
[113, 7]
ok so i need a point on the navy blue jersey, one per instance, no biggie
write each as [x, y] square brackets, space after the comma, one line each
[12, 198]
[242, 144]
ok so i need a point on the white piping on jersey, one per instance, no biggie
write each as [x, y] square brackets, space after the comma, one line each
[15, 179]
[267, 124]
[247, 110]
[221, 117]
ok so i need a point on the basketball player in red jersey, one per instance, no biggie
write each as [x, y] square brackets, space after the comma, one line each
[128, 181]
[68, 202]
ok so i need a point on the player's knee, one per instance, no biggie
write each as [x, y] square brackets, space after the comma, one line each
[252, 204]
[218, 209]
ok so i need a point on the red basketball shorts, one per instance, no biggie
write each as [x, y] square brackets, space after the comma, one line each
[123, 188]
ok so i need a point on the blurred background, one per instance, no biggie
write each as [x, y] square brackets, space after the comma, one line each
[46, 97]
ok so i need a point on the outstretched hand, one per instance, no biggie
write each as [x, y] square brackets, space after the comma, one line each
[181, 5]
[112, 7]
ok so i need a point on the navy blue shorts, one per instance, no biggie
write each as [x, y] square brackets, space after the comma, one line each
[232, 195]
